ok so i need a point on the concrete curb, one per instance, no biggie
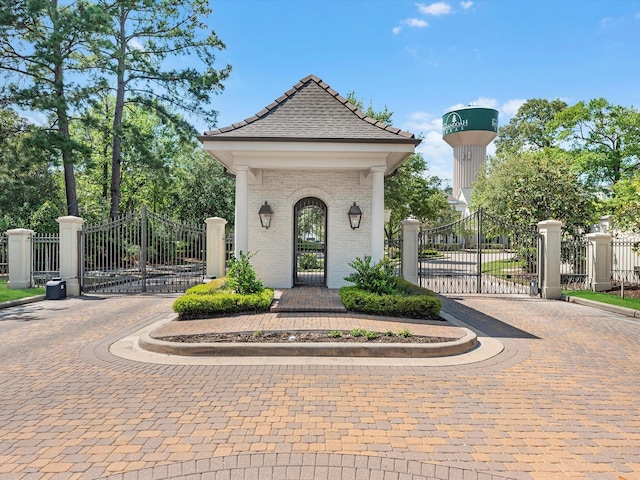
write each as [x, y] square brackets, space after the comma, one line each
[629, 312]
[21, 301]
[328, 349]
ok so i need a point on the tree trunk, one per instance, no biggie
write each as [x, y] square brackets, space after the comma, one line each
[116, 153]
[63, 122]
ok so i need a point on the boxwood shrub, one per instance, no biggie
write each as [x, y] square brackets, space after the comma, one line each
[221, 302]
[411, 301]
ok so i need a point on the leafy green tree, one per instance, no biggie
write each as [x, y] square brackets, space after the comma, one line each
[144, 36]
[44, 47]
[605, 139]
[626, 204]
[27, 180]
[532, 127]
[524, 188]
[409, 191]
[200, 189]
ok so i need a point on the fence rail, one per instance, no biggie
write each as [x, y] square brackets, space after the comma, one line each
[4, 257]
[45, 258]
[625, 261]
[573, 263]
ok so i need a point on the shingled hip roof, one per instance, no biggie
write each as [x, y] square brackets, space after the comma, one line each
[311, 111]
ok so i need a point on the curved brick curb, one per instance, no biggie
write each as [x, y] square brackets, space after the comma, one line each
[398, 350]
[292, 466]
[22, 301]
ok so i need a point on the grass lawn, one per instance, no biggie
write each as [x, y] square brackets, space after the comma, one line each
[633, 303]
[7, 295]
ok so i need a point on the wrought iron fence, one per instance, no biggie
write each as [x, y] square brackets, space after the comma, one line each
[393, 253]
[4, 258]
[573, 263]
[230, 241]
[625, 261]
[45, 258]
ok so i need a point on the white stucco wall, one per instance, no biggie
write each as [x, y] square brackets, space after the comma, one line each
[274, 246]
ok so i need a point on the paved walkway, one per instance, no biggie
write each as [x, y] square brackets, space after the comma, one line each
[561, 401]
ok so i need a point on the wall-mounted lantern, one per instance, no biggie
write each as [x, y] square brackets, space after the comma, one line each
[355, 215]
[266, 213]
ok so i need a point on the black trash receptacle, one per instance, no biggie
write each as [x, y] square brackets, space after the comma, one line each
[56, 289]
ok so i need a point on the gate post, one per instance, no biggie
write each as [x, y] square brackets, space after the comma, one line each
[19, 261]
[216, 247]
[599, 261]
[410, 229]
[550, 263]
[69, 252]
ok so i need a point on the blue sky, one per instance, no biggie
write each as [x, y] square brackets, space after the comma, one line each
[420, 59]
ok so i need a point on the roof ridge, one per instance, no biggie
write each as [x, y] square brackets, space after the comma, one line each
[297, 87]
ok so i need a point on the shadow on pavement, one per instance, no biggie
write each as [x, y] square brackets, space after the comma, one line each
[490, 326]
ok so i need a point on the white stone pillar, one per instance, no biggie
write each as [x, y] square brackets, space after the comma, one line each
[216, 247]
[19, 261]
[377, 214]
[599, 261]
[606, 224]
[242, 210]
[70, 227]
[549, 263]
[410, 229]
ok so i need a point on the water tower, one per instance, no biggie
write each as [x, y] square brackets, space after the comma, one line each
[468, 130]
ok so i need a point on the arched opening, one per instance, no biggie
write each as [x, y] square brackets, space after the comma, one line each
[310, 252]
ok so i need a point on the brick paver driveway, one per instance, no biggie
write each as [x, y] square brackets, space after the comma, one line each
[561, 401]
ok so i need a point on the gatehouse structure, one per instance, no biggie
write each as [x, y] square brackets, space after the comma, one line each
[309, 172]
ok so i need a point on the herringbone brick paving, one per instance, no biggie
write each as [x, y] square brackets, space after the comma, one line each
[560, 402]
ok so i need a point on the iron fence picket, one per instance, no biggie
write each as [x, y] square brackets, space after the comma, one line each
[45, 258]
[573, 263]
[625, 261]
[143, 252]
[4, 257]
[478, 254]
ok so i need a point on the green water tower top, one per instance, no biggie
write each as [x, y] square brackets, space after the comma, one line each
[470, 126]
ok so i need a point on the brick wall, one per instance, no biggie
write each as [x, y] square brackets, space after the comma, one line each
[282, 189]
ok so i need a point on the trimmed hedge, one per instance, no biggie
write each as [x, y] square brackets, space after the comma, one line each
[202, 305]
[207, 288]
[412, 302]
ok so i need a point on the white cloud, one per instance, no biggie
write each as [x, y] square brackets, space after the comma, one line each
[416, 22]
[135, 44]
[437, 153]
[466, 5]
[511, 107]
[638, 15]
[439, 8]
[410, 22]
[478, 102]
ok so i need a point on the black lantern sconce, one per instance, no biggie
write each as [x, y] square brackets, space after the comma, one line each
[266, 213]
[355, 215]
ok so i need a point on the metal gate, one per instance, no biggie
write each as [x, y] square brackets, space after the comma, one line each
[478, 254]
[310, 255]
[142, 252]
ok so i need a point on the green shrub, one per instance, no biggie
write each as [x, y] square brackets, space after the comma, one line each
[369, 335]
[208, 288]
[335, 334]
[241, 277]
[405, 333]
[309, 261]
[357, 332]
[411, 301]
[222, 303]
[377, 278]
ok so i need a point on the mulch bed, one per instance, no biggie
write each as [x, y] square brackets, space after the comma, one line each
[284, 337]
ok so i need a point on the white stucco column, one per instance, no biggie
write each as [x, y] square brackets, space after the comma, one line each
[19, 261]
[242, 210]
[69, 253]
[216, 247]
[377, 213]
[599, 261]
[410, 229]
[549, 264]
